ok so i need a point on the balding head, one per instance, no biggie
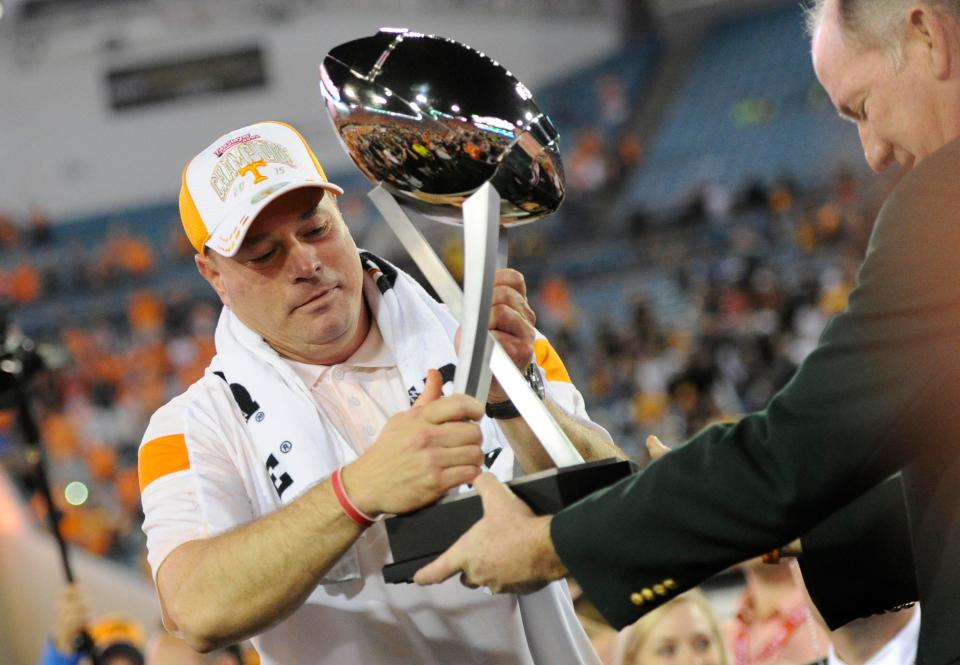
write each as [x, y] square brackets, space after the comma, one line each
[873, 23]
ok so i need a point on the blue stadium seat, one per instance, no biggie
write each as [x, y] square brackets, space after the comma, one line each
[751, 108]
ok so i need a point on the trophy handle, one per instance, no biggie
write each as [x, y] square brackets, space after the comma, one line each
[545, 428]
[481, 219]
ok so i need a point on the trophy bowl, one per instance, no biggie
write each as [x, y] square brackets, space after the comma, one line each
[433, 120]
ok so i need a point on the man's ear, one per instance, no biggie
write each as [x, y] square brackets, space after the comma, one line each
[932, 29]
[207, 264]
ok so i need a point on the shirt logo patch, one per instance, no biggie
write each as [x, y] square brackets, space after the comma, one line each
[281, 479]
[243, 399]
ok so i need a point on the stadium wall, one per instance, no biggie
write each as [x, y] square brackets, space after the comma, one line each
[75, 155]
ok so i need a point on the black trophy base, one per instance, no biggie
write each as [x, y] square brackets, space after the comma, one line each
[419, 537]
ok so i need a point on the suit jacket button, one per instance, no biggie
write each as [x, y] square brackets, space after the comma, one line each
[669, 583]
[647, 594]
[636, 598]
[659, 589]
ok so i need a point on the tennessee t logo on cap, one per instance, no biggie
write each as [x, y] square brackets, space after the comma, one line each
[253, 167]
[225, 187]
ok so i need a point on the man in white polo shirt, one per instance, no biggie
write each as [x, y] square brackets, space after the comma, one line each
[263, 482]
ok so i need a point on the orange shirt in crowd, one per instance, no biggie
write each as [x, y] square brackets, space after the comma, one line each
[102, 462]
[134, 255]
[24, 283]
[60, 436]
[146, 312]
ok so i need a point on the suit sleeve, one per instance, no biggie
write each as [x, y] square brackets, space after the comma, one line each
[863, 546]
[880, 389]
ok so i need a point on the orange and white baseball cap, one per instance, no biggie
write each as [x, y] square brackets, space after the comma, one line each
[226, 186]
[114, 628]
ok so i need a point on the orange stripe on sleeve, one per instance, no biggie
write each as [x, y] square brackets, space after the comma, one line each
[160, 457]
[550, 361]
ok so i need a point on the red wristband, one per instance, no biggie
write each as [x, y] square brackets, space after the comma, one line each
[355, 514]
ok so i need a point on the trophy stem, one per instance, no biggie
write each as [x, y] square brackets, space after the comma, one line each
[481, 219]
[534, 412]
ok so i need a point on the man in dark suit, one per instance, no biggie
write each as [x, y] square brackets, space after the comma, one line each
[880, 394]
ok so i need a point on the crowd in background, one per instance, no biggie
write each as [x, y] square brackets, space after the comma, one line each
[755, 275]
[118, 369]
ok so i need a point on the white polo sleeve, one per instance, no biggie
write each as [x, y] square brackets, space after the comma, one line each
[189, 487]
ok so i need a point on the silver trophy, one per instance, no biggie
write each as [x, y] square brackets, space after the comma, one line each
[448, 134]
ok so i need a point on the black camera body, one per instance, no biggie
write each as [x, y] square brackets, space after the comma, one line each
[20, 360]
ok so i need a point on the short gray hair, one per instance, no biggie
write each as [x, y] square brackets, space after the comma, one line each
[874, 23]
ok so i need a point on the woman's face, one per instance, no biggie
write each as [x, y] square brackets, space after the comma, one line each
[682, 637]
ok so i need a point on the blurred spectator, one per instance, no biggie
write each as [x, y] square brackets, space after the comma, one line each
[41, 233]
[89, 526]
[612, 98]
[556, 303]
[122, 255]
[717, 202]
[587, 166]
[116, 640]
[683, 631]
[119, 641]
[780, 199]
[630, 151]
[9, 234]
[773, 623]
[133, 254]
[146, 313]
[24, 283]
[178, 246]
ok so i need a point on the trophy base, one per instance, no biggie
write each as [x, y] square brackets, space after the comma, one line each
[419, 537]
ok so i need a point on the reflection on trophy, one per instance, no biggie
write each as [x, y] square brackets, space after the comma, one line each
[448, 134]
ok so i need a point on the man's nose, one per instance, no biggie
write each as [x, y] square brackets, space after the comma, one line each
[878, 153]
[302, 261]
